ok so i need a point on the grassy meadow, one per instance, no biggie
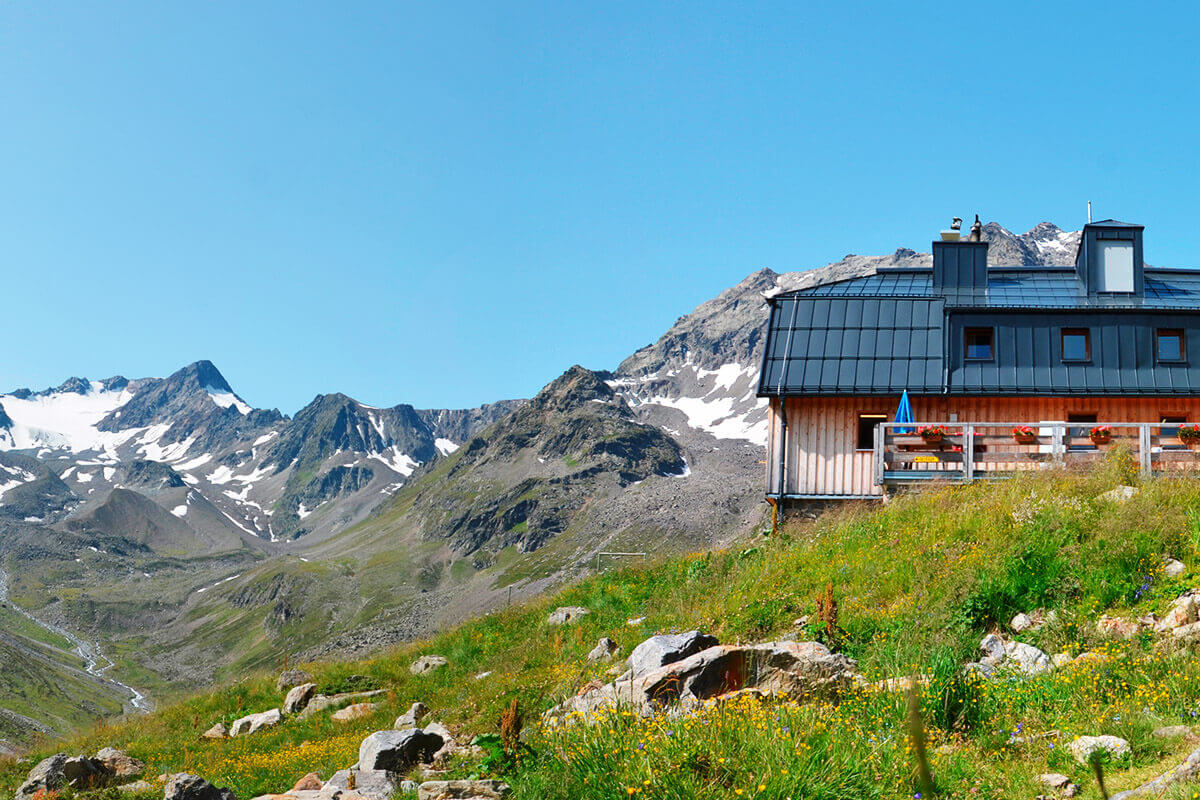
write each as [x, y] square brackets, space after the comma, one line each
[918, 582]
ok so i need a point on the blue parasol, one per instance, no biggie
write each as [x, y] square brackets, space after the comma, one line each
[904, 413]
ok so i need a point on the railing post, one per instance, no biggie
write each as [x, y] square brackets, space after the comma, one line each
[880, 434]
[968, 453]
[1144, 448]
[1058, 448]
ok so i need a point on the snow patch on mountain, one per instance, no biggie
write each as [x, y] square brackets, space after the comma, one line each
[61, 419]
[445, 446]
[226, 399]
[12, 477]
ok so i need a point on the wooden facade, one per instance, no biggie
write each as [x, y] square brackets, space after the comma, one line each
[823, 461]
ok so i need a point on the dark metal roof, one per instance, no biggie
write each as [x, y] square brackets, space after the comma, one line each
[853, 345]
[1024, 287]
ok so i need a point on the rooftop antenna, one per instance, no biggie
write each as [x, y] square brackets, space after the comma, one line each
[1089, 212]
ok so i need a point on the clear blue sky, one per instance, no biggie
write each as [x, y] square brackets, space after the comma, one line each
[448, 203]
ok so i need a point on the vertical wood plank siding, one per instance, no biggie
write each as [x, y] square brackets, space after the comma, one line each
[822, 432]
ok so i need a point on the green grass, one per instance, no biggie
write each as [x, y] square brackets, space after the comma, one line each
[918, 582]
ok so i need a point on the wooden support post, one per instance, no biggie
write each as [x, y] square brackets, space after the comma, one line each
[1144, 448]
[880, 434]
[1058, 449]
[968, 453]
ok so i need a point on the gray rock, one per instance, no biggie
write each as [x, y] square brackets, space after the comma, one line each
[1028, 658]
[137, 786]
[218, 731]
[354, 711]
[253, 723]
[799, 669]
[604, 650]
[1173, 568]
[60, 771]
[1172, 732]
[1183, 612]
[659, 651]
[565, 615]
[397, 751]
[1085, 746]
[1187, 633]
[291, 677]
[1060, 659]
[372, 784]
[183, 786]
[323, 702]
[119, 763]
[992, 647]
[298, 697]
[412, 717]
[1054, 780]
[1186, 771]
[460, 790]
[427, 664]
[985, 671]
[1120, 494]
[1021, 623]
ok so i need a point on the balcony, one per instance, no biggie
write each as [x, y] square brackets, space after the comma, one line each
[981, 450]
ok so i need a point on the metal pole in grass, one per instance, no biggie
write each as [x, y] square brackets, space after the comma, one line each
[916, 733]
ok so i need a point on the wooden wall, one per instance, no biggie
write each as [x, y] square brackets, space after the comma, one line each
[822, 431]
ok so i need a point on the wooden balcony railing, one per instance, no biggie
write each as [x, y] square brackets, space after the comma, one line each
[976, 450]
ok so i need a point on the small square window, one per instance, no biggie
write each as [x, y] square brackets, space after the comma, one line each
[866, 429]
[1076, 344]
[978, 344]
[1169, 345]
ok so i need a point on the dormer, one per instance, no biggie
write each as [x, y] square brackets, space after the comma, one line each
[1109, 260]
[960, 271]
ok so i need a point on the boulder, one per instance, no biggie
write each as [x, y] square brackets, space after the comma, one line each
[1171, 732]
[454, 790]
[1084, 747]
[298, 697]
[564, 615]
[604, 650]
[309, 783]
[61, 771]
[636, 621]
[480, 676]
[799, 669]
[1060, 659]
[1187, 771]
[1187, 633]
[1120, 494]
[253, 723]
[119, 763]
[1183, 612]
[371, 784]
[1021, 623]
[1173, 568]
[427, 664]
[354, 711]
[1054, 780]
[183, 786]
[993, 648]
[1117, 626]
[218, 731]
[291, 677]
[659, 651]
[322, 701]
[412, 717]
[397, 751]
[1028, 658]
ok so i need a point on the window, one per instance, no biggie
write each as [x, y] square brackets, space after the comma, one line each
[1169, 345]
[978, 344]
[866, 429]
[1168, 432]
[1076, 344]
[1116, 267]
[1076, 433]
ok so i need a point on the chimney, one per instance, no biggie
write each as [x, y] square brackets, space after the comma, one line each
[960, 270]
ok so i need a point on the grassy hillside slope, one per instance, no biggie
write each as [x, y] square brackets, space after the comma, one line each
[918, 583]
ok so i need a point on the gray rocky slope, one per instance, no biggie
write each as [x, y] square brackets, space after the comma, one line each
[170, 515]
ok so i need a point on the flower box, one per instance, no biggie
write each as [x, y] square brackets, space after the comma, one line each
[1101, 434]
[1024, 434]
[933, 434]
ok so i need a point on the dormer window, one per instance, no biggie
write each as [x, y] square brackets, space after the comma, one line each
[1116, 266]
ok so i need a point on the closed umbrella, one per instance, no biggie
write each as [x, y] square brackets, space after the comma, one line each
[904, 413]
